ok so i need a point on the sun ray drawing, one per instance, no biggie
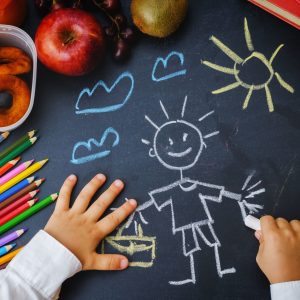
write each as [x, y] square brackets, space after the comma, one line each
[240, 63]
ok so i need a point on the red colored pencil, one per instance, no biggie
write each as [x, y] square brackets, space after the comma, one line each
[17, 203]
[17, 211]
[9, 165]
[2, 267]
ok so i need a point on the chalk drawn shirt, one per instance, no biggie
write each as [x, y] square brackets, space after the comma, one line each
[187, 199]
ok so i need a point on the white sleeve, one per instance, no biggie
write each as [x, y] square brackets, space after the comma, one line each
[38, 270]
[286, 290]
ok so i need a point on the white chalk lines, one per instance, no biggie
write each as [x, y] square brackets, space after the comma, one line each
[177, 144]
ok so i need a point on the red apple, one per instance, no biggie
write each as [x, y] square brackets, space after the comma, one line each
[70, 41]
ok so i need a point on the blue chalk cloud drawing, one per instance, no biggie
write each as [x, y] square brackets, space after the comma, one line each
[101, 84]
[164, 62]
[97, 149]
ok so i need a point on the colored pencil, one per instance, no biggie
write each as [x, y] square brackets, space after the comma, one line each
[21, 193]
[17, 151]
[16, 144]
[2, 267]
[9, 165]
[12, 236]
[3, 136]
[5, 249]
[28, 213]
[16, 188]
[4, 211]
[32, 169]
[16, 171]
[8, 257]
[17, 211]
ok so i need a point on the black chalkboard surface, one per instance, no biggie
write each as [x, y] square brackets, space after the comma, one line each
[173, 136]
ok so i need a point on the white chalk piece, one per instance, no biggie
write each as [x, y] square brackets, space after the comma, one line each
[252, 222]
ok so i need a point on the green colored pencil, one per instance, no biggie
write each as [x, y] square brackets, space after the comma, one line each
[28, 213]
[17, 151]
[16, 144]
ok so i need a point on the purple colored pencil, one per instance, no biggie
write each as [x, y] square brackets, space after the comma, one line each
[12, 236]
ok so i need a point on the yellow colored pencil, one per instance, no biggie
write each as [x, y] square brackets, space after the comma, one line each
[8, 257]
[35, 167]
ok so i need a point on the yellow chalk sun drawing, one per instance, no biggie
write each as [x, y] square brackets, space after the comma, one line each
[238, 65]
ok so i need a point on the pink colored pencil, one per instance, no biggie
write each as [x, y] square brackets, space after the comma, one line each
[17, 170]
[17, 203]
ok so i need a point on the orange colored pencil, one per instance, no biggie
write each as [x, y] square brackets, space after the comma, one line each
[4, 211]
[17, 211]
[9, 165]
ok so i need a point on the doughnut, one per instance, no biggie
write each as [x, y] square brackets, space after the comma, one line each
[14, 61]
[20, 92]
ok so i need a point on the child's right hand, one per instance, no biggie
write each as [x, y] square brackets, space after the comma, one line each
[279, 251]
[79, 229]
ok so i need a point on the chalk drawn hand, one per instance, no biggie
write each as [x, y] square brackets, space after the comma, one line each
[96, 149]
[86, 94]
[164, 62]
[250, 190]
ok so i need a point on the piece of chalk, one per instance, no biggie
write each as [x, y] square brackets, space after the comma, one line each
[252, 222]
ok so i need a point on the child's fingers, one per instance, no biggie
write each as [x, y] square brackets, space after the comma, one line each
[282, 223]
[295, 225]
[86, 194]
[109, 262]
[104, 201]
[63, 201]
[113, 220]
[268, 224]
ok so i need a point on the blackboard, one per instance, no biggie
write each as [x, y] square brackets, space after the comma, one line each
[252, 141]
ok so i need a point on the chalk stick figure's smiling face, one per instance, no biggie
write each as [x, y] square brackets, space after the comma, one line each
[178, 144]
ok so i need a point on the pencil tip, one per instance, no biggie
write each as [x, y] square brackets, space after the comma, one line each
[32, 133]
[5, 134]
[30, 179]
[54, 196]
[42, 162]
[33, 140]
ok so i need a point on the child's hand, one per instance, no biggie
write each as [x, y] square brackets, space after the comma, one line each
[279, 251]
[79, 228]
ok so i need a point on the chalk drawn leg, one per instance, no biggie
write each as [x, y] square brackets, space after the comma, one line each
[193, 276]
[218, 263]
[216, 245]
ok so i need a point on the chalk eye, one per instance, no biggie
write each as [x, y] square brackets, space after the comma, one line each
[185, 135]
[171, 141]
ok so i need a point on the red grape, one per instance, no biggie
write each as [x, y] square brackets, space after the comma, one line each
[121, 20]
[122, 50]
[128, 35]
[111, 5]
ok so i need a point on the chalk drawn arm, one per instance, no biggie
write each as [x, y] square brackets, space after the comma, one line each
[245, 207]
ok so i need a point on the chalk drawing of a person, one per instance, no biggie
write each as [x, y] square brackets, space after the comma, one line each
[178, 144]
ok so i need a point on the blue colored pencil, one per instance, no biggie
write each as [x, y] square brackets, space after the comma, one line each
[16, 188]
[5, 249]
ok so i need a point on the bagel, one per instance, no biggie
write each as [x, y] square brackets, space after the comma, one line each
[21, 98]
[14, 61]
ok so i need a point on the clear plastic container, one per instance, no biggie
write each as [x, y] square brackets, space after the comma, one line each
[11, 36]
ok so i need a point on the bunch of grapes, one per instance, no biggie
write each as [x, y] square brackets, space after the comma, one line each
[46, 6]
[119, 34]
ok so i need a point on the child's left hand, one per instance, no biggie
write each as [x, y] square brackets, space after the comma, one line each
[79, 229]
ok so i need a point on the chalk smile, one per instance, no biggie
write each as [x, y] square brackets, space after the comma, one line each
[180, 154]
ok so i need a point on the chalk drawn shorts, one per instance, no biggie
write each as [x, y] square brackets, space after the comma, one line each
[197, 232]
